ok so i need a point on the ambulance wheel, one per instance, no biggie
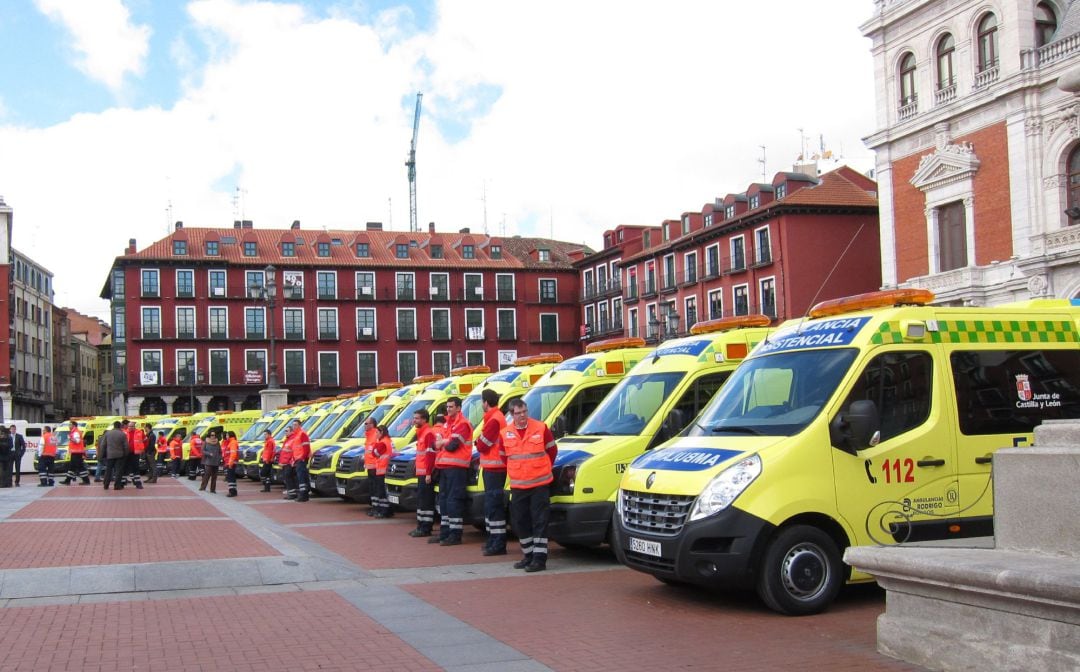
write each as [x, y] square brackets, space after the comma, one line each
[801, 572]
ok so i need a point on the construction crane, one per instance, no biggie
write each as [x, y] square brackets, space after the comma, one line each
[411, 164]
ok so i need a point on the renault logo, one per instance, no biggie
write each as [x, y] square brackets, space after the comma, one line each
[650, 480]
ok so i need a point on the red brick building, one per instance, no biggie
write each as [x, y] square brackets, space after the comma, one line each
[769, 249]
[352, 309]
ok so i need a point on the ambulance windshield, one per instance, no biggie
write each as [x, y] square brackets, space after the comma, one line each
[632, 404]
[774, 395]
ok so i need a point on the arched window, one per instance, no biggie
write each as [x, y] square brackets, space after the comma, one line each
[1074, 181]
[987, 41]
[907, 79]
[1045, 24]
[945, 48]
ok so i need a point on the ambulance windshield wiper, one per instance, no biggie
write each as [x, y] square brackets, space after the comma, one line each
[736, 429]
[596, 433]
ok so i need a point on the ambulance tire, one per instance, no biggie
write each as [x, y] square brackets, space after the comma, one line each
[801, 571]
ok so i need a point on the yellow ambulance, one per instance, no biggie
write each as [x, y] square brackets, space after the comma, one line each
[221, 422]
[873, 421]
[327, 449]
[652, 403]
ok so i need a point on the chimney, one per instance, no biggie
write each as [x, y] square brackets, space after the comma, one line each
[465, 230]
[247, 224]
[179, 225]
[374, 226]
[131, 246]
[236, 224]
[295, 225]
[431, 227]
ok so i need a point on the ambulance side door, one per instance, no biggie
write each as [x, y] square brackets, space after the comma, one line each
[899, 484]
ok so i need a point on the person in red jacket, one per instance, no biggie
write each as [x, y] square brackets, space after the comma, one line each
[288, 473]
[530, 454]
[230, 456]
[452, 461]
[301, 454]
[146, 435]
[384, 450]
[493, 466]
[137, 441]
[195, 455]
[266, 460]
[176, 450]
[163, 451]
[425, 465]
[371, 435]
[47, 458]
[76, 456]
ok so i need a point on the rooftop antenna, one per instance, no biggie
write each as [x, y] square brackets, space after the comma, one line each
[168, 215]
[390, 213]
[483, 198]
[762, 162]
[502, 226]
[410, 163]
[238, 203]
[802, 144]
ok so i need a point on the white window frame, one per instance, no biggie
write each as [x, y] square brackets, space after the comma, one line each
[209, 321]
[224, 293]
[176, 364]
[142, 290]
[360, 287]
[337, 367]
[247, 285]
[731, 251]
[632, 326]
[669, 262]
[210, 364]
[265, 325]
[337, 325]
[513, 285]
[757, 243]
[483, 325]
[303, 323]
[483, 357]
[719, 292]
[176, 279]
[687, 300]
[690, 262]
[397, 324]
[194, 320]
[539, 289]
[735, 300]
[142, 322]
[719, 261]
[512, 311]
[375, 355]
[416, 364]
[320, 297]
[449, 323]
[432, 287]
[540, 325]
[465, 284]
[266, 360]
[590, 315]
[161, 363]
[374, 335]
[397, 275]
[761, 293]
[587, 279]
[449, 359]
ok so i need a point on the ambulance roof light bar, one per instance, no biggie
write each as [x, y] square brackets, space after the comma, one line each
[615, 344]
[465, 370]
[882, 299]
[725, 323]
[542, 358]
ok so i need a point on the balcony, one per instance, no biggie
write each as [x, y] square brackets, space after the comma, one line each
[406, 334]
[472, 294]
[631, 294]
[504, 294]
[326, 295]
[440, 334]
[151, 335]
[185, 335]
[648, 290]
[763, 258]
[474, 333]
[328, 335]
[218, 334]
[1056, 51]
[986, 77]
[406, 294]
[506, 334]
[365, 334]
[945, 95]
[439, 293]
[908, 109]
[293, 335]
[293, 293]
[365, 293]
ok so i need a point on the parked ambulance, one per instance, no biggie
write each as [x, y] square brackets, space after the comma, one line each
[328, 448]
[652, 403]
[873, 421]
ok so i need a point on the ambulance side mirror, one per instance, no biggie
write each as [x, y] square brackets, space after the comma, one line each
[853, 430]
[672, 424]
[558, 428]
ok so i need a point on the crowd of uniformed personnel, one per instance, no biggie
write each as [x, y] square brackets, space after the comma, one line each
[523, 451]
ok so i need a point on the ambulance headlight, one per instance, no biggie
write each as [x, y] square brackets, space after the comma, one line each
[725, 487]
[566, 477]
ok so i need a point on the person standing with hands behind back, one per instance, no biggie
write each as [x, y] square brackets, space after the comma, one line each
[266, 460]
[211, 460]
[530, 455]
[230, 456]
[425, 465]
[18, 444]
[453, 462]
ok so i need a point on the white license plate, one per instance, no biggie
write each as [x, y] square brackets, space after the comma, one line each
[341, 490]
[394, 499]
[647, 547]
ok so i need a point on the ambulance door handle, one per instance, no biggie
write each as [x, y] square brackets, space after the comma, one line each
[931, 462]
[985, 459]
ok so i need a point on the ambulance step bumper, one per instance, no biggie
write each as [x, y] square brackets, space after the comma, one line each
[580, 524]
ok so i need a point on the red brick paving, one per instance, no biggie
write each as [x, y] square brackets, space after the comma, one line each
[127, 507]
[166, 488]
[232, 634]
[624, 620]
[60, 544]
[313, 511]
[387, 545]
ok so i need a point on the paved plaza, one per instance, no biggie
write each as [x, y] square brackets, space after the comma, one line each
[168, 578]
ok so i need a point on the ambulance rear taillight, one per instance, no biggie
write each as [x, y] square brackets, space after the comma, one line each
[725, 487]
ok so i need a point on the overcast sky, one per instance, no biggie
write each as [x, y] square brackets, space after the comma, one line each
[118, 117]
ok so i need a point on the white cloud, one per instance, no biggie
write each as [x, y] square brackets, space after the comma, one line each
[610, 113]
[109, 46]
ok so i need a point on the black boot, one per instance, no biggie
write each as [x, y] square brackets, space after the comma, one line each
[524, 562]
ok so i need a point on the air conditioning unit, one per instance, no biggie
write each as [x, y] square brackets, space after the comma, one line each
[367, 331]
[217, 291]
[365, 291]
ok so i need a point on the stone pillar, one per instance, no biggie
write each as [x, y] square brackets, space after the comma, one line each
[274, 399]
[238, 404]
[204, 401]
[169, 401]
[133, 405]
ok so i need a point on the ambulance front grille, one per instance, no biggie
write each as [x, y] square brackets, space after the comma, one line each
[402, 469]
[250, 454]
[320, 461]
[662, 515]
[349, 464]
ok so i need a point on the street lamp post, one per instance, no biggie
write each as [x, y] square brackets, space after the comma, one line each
[267, 293]
[673, 323]
[193, 377]
[654, 328]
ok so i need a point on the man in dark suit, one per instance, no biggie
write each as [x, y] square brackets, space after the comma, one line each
[18, 444]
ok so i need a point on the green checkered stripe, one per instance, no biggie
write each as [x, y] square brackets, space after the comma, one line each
[708, 353]
[986, 331]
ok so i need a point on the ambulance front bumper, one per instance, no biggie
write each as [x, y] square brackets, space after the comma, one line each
[721, 551]
[402, 494]
[325, 483]
[583, 524]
